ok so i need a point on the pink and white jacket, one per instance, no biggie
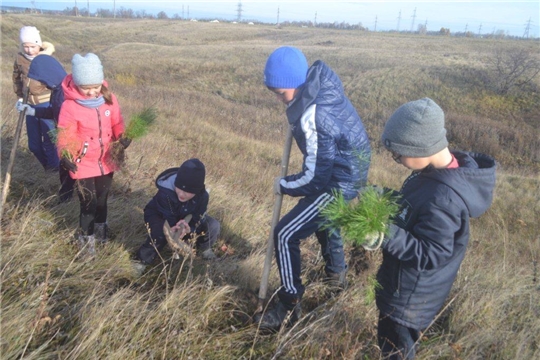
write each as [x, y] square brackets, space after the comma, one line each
[87, 133]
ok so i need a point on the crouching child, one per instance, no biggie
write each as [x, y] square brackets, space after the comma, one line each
[181, 192]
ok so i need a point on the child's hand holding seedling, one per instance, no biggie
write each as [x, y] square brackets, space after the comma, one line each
[363, 221]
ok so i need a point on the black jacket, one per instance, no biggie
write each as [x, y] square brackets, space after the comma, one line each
[425, 248]
[166, 204]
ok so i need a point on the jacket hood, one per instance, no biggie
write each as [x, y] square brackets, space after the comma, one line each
[48, 70]
[166, 179]
[70, 89]
[473, 181]
[322, 87]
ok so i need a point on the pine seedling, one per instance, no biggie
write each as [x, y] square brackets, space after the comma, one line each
[371, 290]
[139, 123]
[370, 213]
[138, 126]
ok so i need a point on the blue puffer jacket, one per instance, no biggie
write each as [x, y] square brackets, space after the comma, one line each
[47, 70]
[166, 204]
[331, 136]
[427, 243]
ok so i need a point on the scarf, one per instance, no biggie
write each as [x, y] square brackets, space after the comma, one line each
[91, 103]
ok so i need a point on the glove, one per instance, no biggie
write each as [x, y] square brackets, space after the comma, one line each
[18, 103]
[124, 141]
[29, 110]
[68, 165]
[373, 241]
[277, 186]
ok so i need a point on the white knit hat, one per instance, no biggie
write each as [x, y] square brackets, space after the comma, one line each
[86, 70]
[29, 34]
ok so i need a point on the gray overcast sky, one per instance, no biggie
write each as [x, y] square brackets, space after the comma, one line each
[476, 16]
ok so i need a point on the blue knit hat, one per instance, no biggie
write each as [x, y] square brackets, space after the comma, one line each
[87, 70]
[286, 68]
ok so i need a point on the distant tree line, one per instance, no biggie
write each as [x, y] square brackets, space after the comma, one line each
[125, 13]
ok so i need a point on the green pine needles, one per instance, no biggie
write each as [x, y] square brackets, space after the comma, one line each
[139, 123]
[369, 213]
[138, 126]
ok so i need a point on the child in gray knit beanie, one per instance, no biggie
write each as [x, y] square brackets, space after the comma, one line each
[87, 70]
[416, 133]
[425, 243]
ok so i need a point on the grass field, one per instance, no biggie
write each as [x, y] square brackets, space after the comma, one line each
[205, 80]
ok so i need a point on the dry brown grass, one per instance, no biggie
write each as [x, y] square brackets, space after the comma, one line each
[206, 82]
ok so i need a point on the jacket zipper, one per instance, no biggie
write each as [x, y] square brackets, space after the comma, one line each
[83, 152]
[100, 143]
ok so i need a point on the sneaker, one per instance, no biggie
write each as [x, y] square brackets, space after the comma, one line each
[87, 246]
[337, 280]
[273, 319]
[208, 254]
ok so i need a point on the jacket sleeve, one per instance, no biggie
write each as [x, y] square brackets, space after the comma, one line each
[68, 141]
[199, 214]
[117, 122]
[164, 206]
[17, 80]
[430, 243]
[319, 158]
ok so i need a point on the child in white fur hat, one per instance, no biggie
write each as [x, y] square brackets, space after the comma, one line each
[39, 142]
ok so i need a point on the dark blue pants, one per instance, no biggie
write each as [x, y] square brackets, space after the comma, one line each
[39, 140]
[207, 234]
[302, 221]
[396, 341]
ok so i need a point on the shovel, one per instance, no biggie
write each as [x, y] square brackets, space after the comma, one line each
[18, 131]
[178, 246]
[275, 218]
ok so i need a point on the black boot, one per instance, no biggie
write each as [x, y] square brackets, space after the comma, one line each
[337, 281]
[273, 319]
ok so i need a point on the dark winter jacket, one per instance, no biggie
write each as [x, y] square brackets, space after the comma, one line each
[166, 204]
[425, 247]
[330, 135]
[48, 71]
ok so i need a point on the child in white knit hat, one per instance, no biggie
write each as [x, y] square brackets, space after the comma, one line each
[38, 95]
[89, 122]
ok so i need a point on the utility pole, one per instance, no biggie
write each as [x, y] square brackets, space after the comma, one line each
[315, 20]
[76, 9]
[480, 30]
[527, 27]
[466, 26]
[239, 11]
[114, 9]
[375, 28]
[183, 18]
[188, 11]
[277, 23]
[88, 7]
[413, 18]
[398, 20]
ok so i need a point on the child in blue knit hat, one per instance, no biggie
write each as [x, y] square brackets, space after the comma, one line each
[336, 152]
